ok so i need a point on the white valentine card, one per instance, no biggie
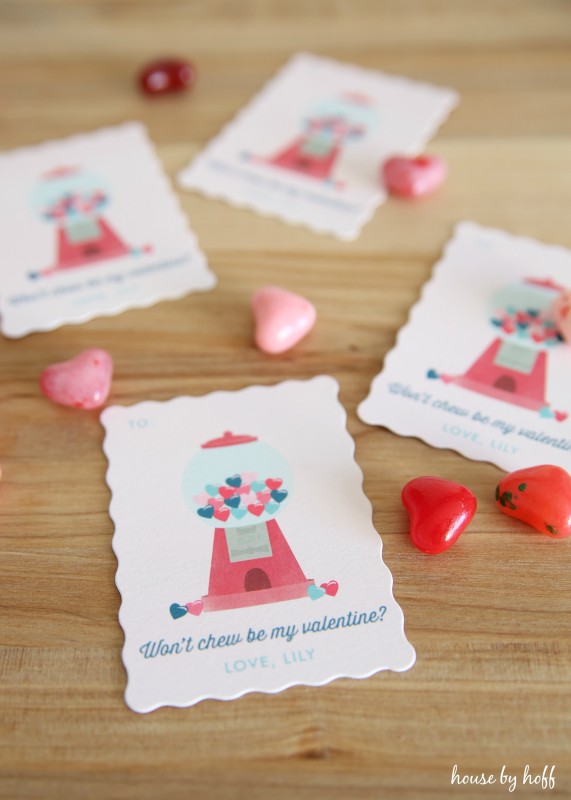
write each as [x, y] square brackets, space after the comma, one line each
[90, 226]
[309, 147]
[481, 367]
[248, 560]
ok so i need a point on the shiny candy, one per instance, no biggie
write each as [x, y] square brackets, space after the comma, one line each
[282, 319]
[540, 496]
[414, 177]
[166, 76]
[439, 511]
[82, 382]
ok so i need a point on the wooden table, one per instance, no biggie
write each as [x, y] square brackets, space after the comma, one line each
[490, 621]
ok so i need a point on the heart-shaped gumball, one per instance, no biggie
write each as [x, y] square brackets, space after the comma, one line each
[331, 588]
[439, 511]
[282, 319]
[81, 382]
[195, 608]
[177, 611]
[540, 496]
[414, 177]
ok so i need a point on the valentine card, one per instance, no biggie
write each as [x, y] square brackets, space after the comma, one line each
[90, 227]
[481, 367]
[248, 560]
[308, 149]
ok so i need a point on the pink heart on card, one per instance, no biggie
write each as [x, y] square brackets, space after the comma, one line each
[264, 497]
[248, 477]
[222, 514]
[256, 509]
[201, 499]
[226, 491]
[215, 502]
[195, 608]
[331, 588]
[81, 382]
[244, 489]
[446, 378]
[274, 483]
[414, 177]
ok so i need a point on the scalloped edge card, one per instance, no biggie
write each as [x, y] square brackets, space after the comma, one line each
[480, 366]
[90, 227]
[309, 147]
[248, 560]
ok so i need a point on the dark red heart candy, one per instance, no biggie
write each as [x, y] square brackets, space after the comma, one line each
[439, 510]
[167, 75]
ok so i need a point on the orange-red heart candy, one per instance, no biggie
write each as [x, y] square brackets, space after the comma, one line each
[540, 496]
[439, 511]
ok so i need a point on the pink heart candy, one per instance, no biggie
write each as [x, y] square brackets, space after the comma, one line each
[195, 608]
[282, 319]
[201, 499]
[264, 497]
[244, 489]
[414, 177]
[215, 502]
[562, 315]
[446, 378]
[81, 382]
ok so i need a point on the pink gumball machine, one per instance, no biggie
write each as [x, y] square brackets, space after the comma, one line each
[239, 486]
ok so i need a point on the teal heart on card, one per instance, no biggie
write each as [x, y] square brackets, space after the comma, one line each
[279, 495]
[233, 502]
[432, 374]
[315, 592]
[546, 412]
[234, 481]
[211, 489]
[239, 513]
[207, 512]
[258, 486]
[177, 611]
[271, 508]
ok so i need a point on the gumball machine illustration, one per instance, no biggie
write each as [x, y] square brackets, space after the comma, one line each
[513, 368]
[238, 485]
[330, 125]
[74, 201]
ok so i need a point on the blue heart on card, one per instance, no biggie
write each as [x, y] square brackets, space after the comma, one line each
[205, 511]
[497, 322]
[234, 481]
[279, 495]
[258, 486]
[546, 412]
[211, 490]
[233, 501]
[432, 374]
[239, 513]
[315, 592]
[177, 611]
[271, 508]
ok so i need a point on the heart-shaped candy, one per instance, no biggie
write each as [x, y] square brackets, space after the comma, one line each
[177, 611]
[81, 382]
[432, 374]
[258, 486]
[271, 508]
[239, 513]
[446, 378]
[315, 592]
[331, 588]
[546, 412]
[279, 495]
[256, 509]
[561, 416]
[233, 502]
[226, 491]
[264, 497]
[195, 608]
[222, 514]
[207, 512]
[439, 510]
[215, 502]
[211, 489]
[243, 489]
[274, 483]
[282, 319]
[414, 177]
[540, 496]
[234, 481]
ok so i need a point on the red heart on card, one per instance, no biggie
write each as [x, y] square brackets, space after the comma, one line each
[256, 509]
[226, 491]
[222, 514]
[331, 588]
[561, 416]
[439, 510]
[195, 608]
[274, 483]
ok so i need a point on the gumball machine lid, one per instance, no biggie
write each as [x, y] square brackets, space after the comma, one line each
[228, 439]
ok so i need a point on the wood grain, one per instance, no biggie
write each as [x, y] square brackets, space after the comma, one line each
[490, 621]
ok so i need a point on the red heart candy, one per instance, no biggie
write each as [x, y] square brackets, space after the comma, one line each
[256, 509]
[167, 75]
[222, 514]
[81, 382]
[540, 496]
[414, 177]
[331, 588]
[226, 491]
[439, 510]
[561, 416]
[195, 608]
[274, 483]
